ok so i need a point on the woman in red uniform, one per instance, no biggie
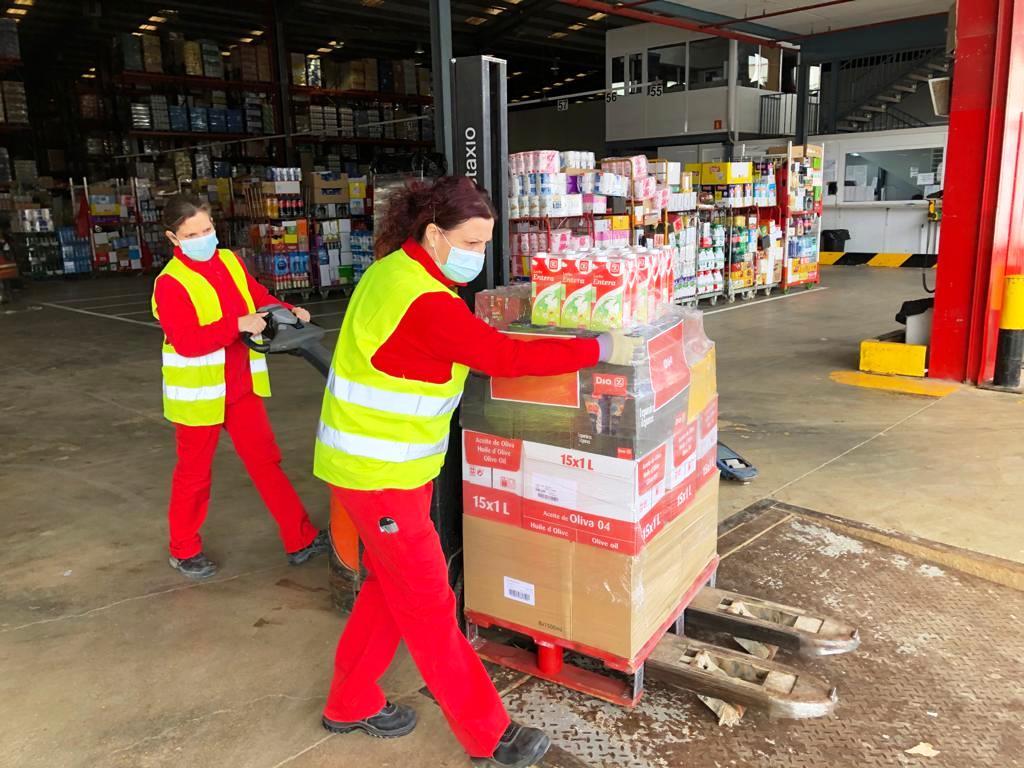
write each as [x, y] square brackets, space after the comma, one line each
[204, 299]
[406, 345]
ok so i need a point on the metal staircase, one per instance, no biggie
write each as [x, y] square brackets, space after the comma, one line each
[870, 87]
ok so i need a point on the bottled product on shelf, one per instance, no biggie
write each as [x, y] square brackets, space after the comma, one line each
[75, 251]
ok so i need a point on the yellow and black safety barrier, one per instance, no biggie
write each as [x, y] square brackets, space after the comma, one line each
[1010, 343]
[858, 259]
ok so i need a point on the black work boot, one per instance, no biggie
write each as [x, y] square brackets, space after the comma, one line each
[520, 747]
[316, 547]
[197, 567]
[390, 723]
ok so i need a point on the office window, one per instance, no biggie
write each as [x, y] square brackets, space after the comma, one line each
[893, 175]
[636, 73]
[666, 66]
[618, 84]
[709, 63]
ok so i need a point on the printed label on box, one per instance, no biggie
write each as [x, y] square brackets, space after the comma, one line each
[610, 384]
[481, 449]
[650, 470]
[520, 591]
[553, 490]
[669, 373]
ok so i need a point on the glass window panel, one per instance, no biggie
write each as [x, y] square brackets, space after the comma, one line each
[893, 175]
[709, 63]
[666, 66]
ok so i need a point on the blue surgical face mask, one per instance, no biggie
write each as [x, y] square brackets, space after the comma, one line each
[463, 265]
[199, 248]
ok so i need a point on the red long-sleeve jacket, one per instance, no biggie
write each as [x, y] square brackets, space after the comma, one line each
[180, 322]
[438, 329]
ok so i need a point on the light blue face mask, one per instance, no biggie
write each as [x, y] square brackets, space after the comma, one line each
[199, 248]
[463, 265]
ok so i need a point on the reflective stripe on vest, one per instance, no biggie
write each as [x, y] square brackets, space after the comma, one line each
[195, 394]
[375, 448]
[390, 401]
[194, 388]
[174, 360]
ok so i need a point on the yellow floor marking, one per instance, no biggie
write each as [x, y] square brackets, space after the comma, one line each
[901, 384]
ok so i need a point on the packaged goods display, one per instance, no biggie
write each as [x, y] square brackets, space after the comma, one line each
[282, 254]
[333, 247]
[590, 499]
[15, 104]
[801, 184]
[76, 252]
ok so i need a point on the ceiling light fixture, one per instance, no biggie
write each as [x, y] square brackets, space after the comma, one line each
[596, 16]
[557, 35]
[325, 50]
[26, 3]
[577, 27]
[516, 74]
[157, 19]
[419, 49]
[148, 27]
[245, 39]
[494, 10]
[16, 11]
[476, 21]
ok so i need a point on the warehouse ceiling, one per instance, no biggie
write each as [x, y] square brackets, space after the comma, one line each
[553, 48]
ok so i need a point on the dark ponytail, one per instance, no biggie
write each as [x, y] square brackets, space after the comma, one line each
[181, 207]
[448, 202]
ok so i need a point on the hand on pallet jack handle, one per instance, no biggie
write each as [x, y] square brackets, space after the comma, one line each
[277, 329]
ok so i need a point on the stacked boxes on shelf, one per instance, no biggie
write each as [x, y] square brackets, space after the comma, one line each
[152, 55]
[590, 499]
[333, 245]
[213, 62]
[10, 48]
[282, 258]
[76, 252]
[15, 105]
[33, 219]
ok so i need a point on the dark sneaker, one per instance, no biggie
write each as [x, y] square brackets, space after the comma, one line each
[520, 747]
[196, 567]
[316, 547]
[390, 723]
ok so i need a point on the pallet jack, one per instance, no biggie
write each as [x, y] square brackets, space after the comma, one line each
[676, 659]
[479, 130]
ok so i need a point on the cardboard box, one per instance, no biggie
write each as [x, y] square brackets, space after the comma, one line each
[726, 173]
[604, 600]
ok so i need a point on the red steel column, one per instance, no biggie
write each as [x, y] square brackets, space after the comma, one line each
[973, 95]
[1008, 230]
[983, 211]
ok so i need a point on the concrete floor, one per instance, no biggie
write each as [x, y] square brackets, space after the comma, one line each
[111, 660]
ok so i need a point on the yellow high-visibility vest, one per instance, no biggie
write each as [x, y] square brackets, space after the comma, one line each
[377, 430]
[194, 387]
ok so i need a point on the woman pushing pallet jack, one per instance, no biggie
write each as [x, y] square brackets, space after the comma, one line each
[396, 376]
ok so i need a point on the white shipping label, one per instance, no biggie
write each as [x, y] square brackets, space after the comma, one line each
[520, 591]
[553, 490]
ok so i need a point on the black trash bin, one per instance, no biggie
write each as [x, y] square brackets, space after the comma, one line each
[834, 240]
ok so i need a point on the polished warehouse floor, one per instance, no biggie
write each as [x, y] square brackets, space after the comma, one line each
[110, 659]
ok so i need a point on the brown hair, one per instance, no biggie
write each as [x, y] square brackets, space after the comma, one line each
[181, 207]
[447, 202]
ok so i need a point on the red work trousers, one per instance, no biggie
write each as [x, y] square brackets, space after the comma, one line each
[247, 423]
[406, 597]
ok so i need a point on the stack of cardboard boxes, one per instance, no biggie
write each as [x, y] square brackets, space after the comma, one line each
[590, 499]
